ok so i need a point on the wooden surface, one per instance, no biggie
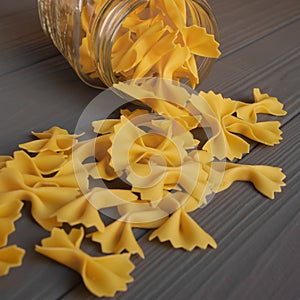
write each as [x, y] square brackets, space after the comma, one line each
[258, 255]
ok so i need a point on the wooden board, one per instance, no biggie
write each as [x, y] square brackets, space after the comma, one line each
[258, 254]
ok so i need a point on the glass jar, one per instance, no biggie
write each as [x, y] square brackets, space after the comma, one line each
[71, 24]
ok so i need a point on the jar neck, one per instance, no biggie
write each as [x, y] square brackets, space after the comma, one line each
[104, 30]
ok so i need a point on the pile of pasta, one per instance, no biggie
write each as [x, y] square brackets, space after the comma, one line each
[154, 40]
[167, 173]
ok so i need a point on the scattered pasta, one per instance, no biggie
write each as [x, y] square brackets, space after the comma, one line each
[103, 276]
[167, 169]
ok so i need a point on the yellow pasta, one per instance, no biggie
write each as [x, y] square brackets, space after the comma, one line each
[103, 276]
[10, 257]
[54, 139]
[79, 211]
[266, 179]
[118, 237]
[155, 149]
[175, 11]
[154, 40]
[183, 232]
[3, 160]
[204, 45]
[152, 57]
[263, 104]
[49, 162]
[215, 109]
[135, 54]
[218, 113]
[45, 200]
[267, 133]
[54, 199]
[10, 211]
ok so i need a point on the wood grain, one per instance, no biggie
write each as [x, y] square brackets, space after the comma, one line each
[258, 254]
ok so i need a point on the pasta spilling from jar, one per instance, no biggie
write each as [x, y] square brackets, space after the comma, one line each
[155, 40]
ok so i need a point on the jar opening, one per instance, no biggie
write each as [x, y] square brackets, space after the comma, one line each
[108, 27]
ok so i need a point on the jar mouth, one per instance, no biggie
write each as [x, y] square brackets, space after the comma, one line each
[110, 19]
[105, 29]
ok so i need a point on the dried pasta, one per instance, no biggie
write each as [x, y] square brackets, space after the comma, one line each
[103, 276]
[3, 160]
[116, 238]
[10, 211]
[263, 104]
[54, 139]
[266, 179]
[168, 171]
[10, 257]
[183, 232]
[154, 40]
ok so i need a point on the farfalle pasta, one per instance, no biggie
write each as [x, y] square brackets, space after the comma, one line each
[103, 276]
[118, 237]
[263, 104]
[54, 139]
[183, 232]
[154, 40]
[3, 160]
[266, 179]
[49, 162]
[10, 257]
[168, 171]
[10, 211]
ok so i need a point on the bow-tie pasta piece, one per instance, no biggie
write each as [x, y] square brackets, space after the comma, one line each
[87, 64]
[3, 160]
[199, 42]
[98, 150]
[10, 257]
[143, 44]
[102, 198]
[118, 237]
[215, 110]
[164, 98]
[45, 200]
[65, 177]
[152, 58]
[267, 133]
[49, 162]
[183, 232]
[174, 10]
[263, 104]
[155, 89]
[189, 177]
[218, 112]
[55, 139]
[9, 213]
[103, 276]
[266, 179]
[172, 61]
[107, 126]
[80, 211]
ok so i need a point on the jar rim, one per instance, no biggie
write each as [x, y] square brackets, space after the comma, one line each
[108, 22]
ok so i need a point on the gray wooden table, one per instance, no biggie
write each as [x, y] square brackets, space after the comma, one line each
[259, 240]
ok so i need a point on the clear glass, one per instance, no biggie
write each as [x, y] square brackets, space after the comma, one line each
[67, 23]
